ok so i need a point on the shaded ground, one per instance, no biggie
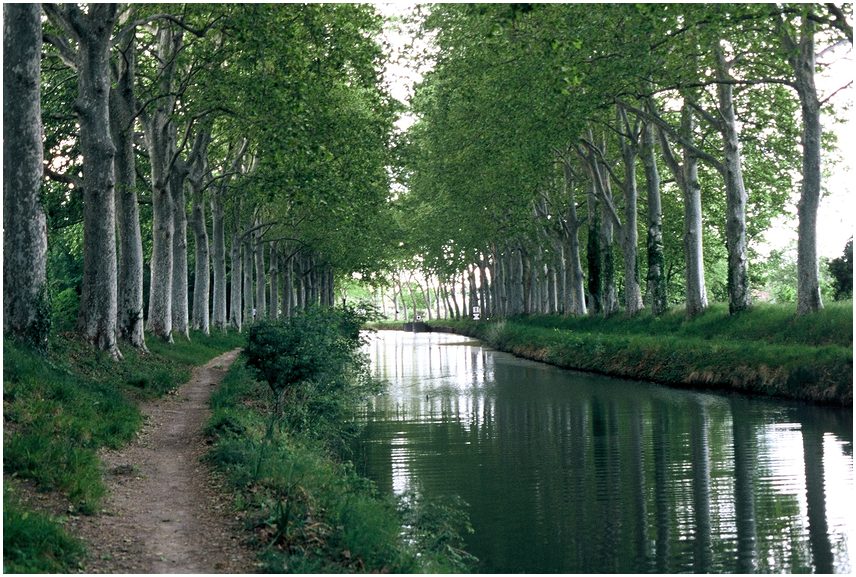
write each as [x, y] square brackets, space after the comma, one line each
[165, 513]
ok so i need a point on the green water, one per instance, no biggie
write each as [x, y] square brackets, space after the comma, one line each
[576, 473]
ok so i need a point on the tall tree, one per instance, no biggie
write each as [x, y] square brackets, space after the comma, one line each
[123, 113]
[24, 225]
[92, 30]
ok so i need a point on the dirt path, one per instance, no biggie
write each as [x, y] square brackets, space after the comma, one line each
[163, 512]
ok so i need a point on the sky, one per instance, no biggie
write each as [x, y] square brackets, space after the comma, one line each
[836, 214]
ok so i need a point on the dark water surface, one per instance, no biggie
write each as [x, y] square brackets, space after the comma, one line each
[576, 473]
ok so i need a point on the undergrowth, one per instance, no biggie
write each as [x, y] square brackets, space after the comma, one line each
[279, 443]
[62, 405]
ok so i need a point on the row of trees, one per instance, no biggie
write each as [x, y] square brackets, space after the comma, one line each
[577, 159]
[264, 129]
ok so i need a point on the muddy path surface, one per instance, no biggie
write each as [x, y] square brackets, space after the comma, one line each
[165, 512]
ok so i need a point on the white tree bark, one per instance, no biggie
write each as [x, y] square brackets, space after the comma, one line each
[739, 297]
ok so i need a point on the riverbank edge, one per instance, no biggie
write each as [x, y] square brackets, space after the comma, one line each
[821, 374]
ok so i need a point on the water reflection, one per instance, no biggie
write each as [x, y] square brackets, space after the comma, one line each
[568, 472]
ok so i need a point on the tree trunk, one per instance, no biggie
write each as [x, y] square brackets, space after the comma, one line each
[236, 297]
[656, 279]
[130, 274]
[739, 298]
[693, 237]
[802, 59]
[180, 299]
[575, 267]
[160, 141]
[99, 298]
[629, 234]
[594, 256]
[261, 277]
[202, 271]
[250, 311]
[287, 288]
[25, 241]
[218, 250]
[274, 282]
[686, 176]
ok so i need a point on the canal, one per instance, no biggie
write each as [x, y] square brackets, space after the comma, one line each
[577, 473]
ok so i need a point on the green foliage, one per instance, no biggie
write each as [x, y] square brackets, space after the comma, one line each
[313, 364]
[841, 269]
[35, 543]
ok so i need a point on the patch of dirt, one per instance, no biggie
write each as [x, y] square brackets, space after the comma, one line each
[165, 512]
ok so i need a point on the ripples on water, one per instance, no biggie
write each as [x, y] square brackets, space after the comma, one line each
[577, 473]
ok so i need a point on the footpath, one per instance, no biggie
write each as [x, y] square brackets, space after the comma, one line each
[164, 512]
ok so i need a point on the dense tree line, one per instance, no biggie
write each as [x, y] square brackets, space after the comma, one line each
[583, 160]
[263, 129]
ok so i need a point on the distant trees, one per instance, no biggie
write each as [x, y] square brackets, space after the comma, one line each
[708, 96]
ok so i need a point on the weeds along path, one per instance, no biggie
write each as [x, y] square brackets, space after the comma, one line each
[164, 512]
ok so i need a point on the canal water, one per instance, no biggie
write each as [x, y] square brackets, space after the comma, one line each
[578, 473]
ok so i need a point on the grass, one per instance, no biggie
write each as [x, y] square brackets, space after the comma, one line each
[767, 350]
[59, 408]
[307, 508]
[36, 543]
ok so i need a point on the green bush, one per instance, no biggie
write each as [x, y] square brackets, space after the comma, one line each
[313, 364]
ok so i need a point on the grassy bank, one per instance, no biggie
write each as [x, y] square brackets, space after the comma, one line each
[283, 450]
[767, 350]
[59, 408]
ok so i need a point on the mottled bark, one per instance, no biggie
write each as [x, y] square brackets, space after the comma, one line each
[571, 226]
[130, 274]
[202, 271]
[180, 297]
[628, 229]
[218, 261]
[686, 176]
[160, 141]
[739, 298]
[656, 278]
[25, 238]
[801, 55]
[92, 31]
[693, 233]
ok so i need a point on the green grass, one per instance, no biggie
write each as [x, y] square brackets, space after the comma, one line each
[36, 543]
[767, 350]
[308, 510]
[59, 408]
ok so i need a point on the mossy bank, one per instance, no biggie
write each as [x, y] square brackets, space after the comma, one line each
[765, 351]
